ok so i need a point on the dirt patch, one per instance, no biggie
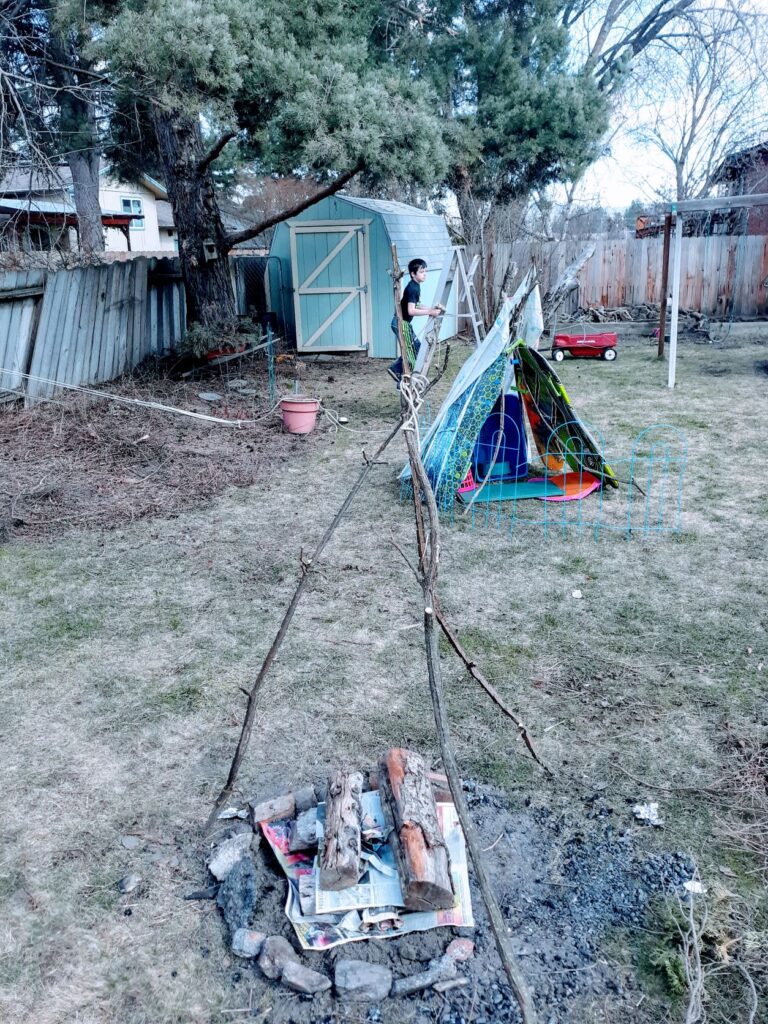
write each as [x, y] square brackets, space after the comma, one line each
[81, 462]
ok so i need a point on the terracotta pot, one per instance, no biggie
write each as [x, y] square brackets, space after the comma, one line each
[299, 413]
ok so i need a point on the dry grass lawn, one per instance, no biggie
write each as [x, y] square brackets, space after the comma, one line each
[123, 650]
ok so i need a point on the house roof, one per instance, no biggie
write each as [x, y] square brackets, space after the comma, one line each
[61, 206]
[55, 213]
[158, 190]
[24, 180]
[737, 162]
[415, 232]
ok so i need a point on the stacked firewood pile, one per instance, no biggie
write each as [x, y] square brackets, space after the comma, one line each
[645, 312]
[381, 856]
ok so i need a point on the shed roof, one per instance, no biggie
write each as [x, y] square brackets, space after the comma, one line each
[415, 232]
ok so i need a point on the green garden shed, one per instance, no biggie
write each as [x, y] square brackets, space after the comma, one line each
[328, 273]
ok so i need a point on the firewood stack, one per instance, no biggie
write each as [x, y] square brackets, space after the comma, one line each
[410, 811]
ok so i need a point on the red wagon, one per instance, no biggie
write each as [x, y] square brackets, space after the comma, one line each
[585, 346]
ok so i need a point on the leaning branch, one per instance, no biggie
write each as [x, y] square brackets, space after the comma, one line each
[307, 564]
[236, 237]
[214, 152]
[428, 542]
[490, 689]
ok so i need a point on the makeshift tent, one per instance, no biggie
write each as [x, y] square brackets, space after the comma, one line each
[479, 429]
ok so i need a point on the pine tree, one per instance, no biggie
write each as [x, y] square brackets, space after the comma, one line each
[298, 87]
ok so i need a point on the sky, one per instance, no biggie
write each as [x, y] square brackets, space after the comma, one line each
[632, 170]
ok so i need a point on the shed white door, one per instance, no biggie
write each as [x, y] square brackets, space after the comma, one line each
[330, 287]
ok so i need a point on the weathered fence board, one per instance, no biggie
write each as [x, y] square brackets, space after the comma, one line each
[16, 322]
[721, 275]
[86, 325]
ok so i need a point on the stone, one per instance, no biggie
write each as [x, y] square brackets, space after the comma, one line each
[232, 812]
[447, 986]
[460, 950]
[247, 943]
[304, 831]
[302, 979]
[275, 954]
[356, 979]
[129, 883]
[443, 968]
[209, 893]
[227, 854]
[237, 894]
[270, 810]
[130, 842]
[305, 798]
[209, 396]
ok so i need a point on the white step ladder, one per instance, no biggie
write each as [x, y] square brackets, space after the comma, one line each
[454, 270]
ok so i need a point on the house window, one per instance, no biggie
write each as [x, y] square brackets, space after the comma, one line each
[134, 206]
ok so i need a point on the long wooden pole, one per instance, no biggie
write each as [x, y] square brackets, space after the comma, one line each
[675, 301]
[664, 283]
[428, 541]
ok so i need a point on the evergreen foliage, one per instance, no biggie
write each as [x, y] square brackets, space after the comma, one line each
[517, 115]
[299, 83]
[457, 92]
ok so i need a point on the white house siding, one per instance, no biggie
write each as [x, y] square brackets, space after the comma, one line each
[168, 240]
[150, 239]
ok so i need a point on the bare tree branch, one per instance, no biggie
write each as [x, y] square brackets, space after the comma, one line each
[236, 237]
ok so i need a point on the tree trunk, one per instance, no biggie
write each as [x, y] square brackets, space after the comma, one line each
[202, 245]
[80, 138]
[84, 166]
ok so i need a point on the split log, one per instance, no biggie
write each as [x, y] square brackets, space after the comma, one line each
[417, 842]
[340, 864]
[440, 788]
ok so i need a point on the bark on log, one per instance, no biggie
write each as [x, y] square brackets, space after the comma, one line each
[417, 842]
[340, 864]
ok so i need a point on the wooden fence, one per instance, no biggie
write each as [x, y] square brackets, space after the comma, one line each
[721, 275]
[89, 325]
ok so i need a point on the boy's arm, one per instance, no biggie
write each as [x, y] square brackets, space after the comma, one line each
[414, 310]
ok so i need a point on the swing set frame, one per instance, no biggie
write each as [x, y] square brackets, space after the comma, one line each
[678, 210]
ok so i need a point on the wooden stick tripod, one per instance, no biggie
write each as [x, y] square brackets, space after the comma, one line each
[428, 542]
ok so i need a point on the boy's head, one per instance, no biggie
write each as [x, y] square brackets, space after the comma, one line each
[417, 269]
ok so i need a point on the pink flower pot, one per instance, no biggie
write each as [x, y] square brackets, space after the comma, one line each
[299, 413]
